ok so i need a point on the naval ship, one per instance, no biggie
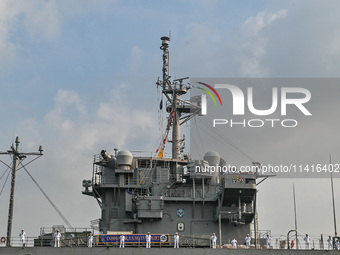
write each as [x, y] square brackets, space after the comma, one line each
[149, 192]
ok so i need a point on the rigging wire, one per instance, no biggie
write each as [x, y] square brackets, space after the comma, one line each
[46, 196]
[185, 128]
[5, 164]
[159, 111]
[200, 137]
[160, 105]
[8, 167]
[161, 124]
[230, 144]
[228, 140]
[193, 142]
[3, 186]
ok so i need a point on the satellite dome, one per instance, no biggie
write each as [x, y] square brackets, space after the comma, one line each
[212, 157]
[124, 157]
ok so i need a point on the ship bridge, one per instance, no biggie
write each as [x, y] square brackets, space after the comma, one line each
[139, 192]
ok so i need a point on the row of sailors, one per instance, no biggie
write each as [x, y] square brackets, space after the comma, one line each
[148, 240]
[329, 242]
[247, 240]
[57, 236]
[234, 241]
[213, 239]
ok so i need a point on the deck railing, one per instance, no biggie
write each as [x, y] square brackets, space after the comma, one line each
[318, 242]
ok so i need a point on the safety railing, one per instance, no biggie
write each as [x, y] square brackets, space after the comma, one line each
[16, 242]
[317, 242]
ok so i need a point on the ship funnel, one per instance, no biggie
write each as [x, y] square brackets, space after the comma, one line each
[124, 159]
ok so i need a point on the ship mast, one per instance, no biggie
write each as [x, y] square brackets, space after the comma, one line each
[11, 198]
[179, 109]
[334, 215]
[17, 157]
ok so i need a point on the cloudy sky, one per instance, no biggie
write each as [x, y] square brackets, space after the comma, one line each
[79, 76]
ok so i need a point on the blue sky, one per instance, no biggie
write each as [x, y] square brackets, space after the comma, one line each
[79, 76]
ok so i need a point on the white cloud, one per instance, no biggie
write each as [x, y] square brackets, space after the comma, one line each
[198, 53]
[70, 142]
[136, 58]
[7, 23]
[300, 39]
[65, 102]
[114, 122]
[253, 25]
[253, 43]
[304, 43]
[39, 19]
[42, 19]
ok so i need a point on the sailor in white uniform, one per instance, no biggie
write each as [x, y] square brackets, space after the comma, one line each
[90, 240]
[244, 207]
[213, 241]
[148, 240]
[57, 236]
[268, 241]
[176, 240]
[234, 243]
[307, 242]
[22, 236]
[337, 244]
[247, 239]
[121, 241]
[330, 243]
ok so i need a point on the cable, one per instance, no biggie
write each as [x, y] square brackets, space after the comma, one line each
[8, 167]
[227, 140]
[49, 200]
[5, 181]
[230, 144]
[200, 137]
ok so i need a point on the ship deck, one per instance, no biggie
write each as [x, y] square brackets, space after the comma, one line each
[152, 251]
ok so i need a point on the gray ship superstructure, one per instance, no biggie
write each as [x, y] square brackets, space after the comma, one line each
[140, 193]
[143, 193]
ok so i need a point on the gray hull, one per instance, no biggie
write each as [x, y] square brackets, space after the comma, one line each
[154, 251]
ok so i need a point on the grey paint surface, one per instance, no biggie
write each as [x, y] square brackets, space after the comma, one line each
[153, 251]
